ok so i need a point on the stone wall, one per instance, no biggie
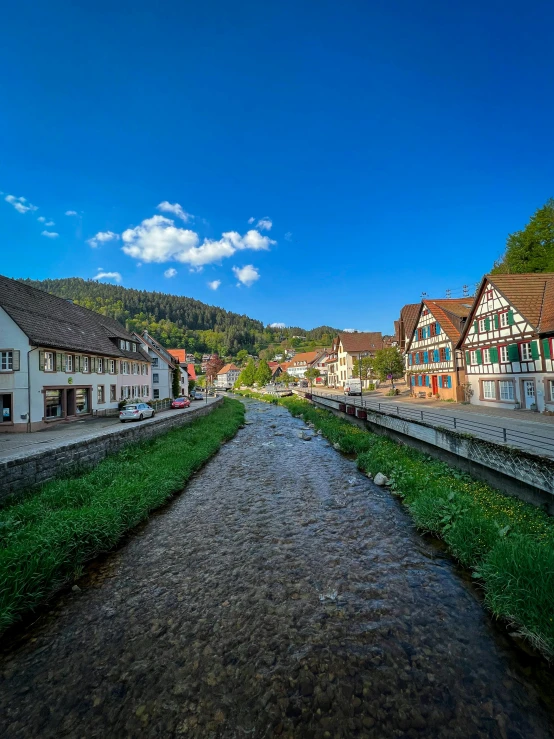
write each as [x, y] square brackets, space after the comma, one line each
[510, 470]
[27, 472]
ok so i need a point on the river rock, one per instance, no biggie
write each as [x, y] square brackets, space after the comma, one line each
[336, 446]
[304, 436]
[381, 479]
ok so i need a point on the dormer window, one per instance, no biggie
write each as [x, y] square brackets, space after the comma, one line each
[121, 344]
[128, 346]
[134, 346]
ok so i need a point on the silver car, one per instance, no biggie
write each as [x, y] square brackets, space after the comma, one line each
[136, 412]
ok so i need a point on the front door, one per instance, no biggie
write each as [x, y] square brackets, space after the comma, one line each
[434, 384]
[70, 400]
[529, 393]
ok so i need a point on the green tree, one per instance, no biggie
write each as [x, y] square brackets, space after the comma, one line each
[532, 248]
[248, 375]
[242, 356]
[286, 378]
[263, 373]
[363, 372]
[311, 374]
[176, 382]
[388, 362]
[192, 385]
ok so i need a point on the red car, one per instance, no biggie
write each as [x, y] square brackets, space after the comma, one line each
[180, 403]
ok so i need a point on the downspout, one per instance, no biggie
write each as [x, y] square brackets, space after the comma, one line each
[29, 388]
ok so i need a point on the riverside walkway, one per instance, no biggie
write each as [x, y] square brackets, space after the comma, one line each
[281, 595]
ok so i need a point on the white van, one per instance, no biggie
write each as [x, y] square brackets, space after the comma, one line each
[353, 386]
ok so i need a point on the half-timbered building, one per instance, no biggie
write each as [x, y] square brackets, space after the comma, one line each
[434, 367]
[507, 342]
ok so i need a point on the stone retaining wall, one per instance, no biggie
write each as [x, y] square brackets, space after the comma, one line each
[510, 470]
[23, 473]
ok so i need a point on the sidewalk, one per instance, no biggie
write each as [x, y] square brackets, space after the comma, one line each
[17, 446]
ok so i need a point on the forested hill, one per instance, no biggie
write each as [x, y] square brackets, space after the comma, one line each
[175, 321]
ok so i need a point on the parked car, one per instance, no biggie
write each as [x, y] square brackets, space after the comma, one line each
[353, 386]
[196, 395]
[136, 412]
[180, 403]
[303, 383]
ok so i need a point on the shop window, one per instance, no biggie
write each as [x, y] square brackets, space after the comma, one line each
[81, 400]
[54, 407]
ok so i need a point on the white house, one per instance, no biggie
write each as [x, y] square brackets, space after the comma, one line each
[60, 361]
[163, 366]
[301, 362]
[347, 347]
[507, 342]
[227, 376]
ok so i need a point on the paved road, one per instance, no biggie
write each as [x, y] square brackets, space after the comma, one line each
[15, 446]
[281, 595]
[521, 432]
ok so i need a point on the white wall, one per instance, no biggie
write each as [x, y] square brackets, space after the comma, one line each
[12, 337]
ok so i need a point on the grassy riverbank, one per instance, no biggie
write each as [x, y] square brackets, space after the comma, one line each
[506, 543]
[46, 538]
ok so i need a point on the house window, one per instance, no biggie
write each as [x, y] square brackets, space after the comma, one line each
[525, 352]
[6, 361]
[506, 390]
[86, 364]
[503, 350]
[489, 389]
[81, 400]
[112, 366]
[155, 377]
[100, 364]
[128, 346]
[473, 357]
[69, 362]
[134, 346]
[100, 394]
[126, 391]
[486, 356]
[420, 334]
[503, 317]
[145, 391]
[113, 393]
[125, 368]
[156, 394]
[48, 361]
[482, 327]
[489, 295]
[121, 344]
[53, 401]
[154, 361]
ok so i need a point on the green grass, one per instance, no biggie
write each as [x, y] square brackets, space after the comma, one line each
[46, 537]
[506, 543]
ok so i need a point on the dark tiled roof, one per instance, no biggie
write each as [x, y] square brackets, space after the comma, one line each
[60, 324]
[361, 341]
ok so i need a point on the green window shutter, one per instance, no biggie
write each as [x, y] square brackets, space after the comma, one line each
[535, 350]
[487, 324]
[116, 365]
[511, 318]
[496, 321]
[513, 352]
[468, 359]
[494, 354]
[92, 362]
[60, 359]
[41, 361]
[479, 354]
[78, 363]
[475, 327]
[546, 348]
[15, 360]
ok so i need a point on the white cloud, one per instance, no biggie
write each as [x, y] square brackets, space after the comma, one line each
[101, 237]
[170, 272]
[264, 224]
[176, 209]
[41, 219]
[71, 213]
[349, 330]
[214, 284]
[251, 220]
[22, 205]
[108, 276]
[157, 239]
[246, 275]
[288, 236]
[49, 223]
[50, 234]
[276, 325]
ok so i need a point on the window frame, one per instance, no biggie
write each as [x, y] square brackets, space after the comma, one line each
[473, 357]
[481, 321]
[500, 348]
[491, 386]
[526, 344]
[100, 394]
[69, 360]
[52, 356]
[9, 360]
[86, 365]
[500, 314]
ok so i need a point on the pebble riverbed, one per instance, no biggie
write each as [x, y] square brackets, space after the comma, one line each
[282, 594]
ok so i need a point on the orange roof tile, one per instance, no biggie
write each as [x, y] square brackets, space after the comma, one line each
[227, 367]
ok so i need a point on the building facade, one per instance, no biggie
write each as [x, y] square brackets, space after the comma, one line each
[434, 366]
[227, 376]
[348, 347]
[507, 343]
[302, 362]
[60, 361]
[163, 366]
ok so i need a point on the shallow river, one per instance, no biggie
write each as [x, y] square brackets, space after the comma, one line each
[282, 594]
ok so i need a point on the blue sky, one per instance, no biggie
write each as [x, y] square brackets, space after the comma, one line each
[315, 162]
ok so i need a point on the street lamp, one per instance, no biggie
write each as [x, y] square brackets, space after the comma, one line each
[361, 381]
